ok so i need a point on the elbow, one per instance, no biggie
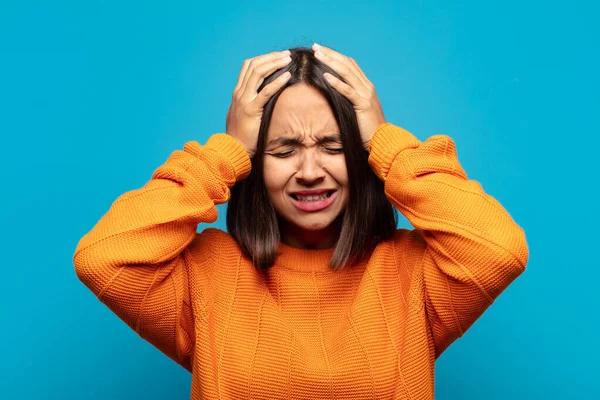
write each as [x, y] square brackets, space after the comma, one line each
[80, 267]
[88, 272]
[504, 264]
[81, 261]
[519, 249]
[511, 261]
[83, 271]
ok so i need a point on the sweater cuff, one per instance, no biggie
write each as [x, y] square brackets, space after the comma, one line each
[387, 142]
[232, 151]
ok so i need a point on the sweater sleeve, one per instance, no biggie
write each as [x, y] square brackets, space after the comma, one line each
[133, 258]
[472, 248]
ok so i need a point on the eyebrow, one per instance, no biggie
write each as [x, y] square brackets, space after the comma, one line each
[292, 141]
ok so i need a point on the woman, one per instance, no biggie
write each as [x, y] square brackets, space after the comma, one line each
[313, 293]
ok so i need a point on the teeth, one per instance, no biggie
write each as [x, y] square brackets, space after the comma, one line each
[312, 198]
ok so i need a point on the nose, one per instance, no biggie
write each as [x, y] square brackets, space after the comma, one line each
[310, 170]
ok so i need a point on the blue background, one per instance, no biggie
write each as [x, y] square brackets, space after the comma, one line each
[94, 96]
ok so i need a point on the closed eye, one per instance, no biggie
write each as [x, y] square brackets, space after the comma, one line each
[284, 154]
[289, 153]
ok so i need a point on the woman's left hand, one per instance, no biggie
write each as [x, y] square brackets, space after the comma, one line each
[358, 89]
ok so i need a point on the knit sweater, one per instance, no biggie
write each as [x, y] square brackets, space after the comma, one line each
[370, 330]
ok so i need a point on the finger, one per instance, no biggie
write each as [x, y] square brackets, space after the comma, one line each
[258, 75]
[242, 74]
[344, 89]
[362, 75]
[268, 91]
[257, 61]
[350, 62]
[343, 68]
[246, 64]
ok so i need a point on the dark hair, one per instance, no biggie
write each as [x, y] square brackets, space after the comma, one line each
[368, 218]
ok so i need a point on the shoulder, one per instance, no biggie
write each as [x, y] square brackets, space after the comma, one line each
[406, 245]
[210, 242]
[215, 234]
[212, 256]
[412, 238]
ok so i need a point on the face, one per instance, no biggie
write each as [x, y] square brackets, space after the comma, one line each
[304, 166]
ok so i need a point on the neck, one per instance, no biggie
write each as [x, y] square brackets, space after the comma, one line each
[294, 236]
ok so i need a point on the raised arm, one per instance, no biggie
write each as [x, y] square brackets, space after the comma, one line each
[473, 250]
[133, 257]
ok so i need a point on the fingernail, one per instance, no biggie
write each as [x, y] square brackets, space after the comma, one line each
[286, 52]
[316, 45]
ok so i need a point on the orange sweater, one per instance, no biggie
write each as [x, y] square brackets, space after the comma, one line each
[370, 330]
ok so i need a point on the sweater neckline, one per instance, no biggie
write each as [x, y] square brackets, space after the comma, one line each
[306, 260]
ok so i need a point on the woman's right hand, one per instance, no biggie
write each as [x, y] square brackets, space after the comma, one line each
[245, 113]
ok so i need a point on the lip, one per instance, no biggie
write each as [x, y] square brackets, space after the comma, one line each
[313, 192]
[313, 206]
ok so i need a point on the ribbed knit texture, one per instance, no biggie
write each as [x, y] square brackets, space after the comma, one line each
[369, 331]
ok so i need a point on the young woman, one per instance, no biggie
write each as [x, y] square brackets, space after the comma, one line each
[313, 293]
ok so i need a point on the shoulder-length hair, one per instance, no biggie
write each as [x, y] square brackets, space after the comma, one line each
[368, 218]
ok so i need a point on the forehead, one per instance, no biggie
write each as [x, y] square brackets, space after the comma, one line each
[301, 110]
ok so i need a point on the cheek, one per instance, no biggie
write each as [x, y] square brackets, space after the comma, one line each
[275, 176]
[337, 169]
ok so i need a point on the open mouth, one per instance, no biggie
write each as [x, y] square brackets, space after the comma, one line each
[313, 198]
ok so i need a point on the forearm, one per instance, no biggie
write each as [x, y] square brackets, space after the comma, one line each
[156, 222]
[469, 235]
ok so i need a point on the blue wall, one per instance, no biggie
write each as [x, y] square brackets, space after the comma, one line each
[94, 96]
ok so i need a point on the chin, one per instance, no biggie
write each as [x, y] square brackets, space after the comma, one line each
[312, 222]
[312, 227]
